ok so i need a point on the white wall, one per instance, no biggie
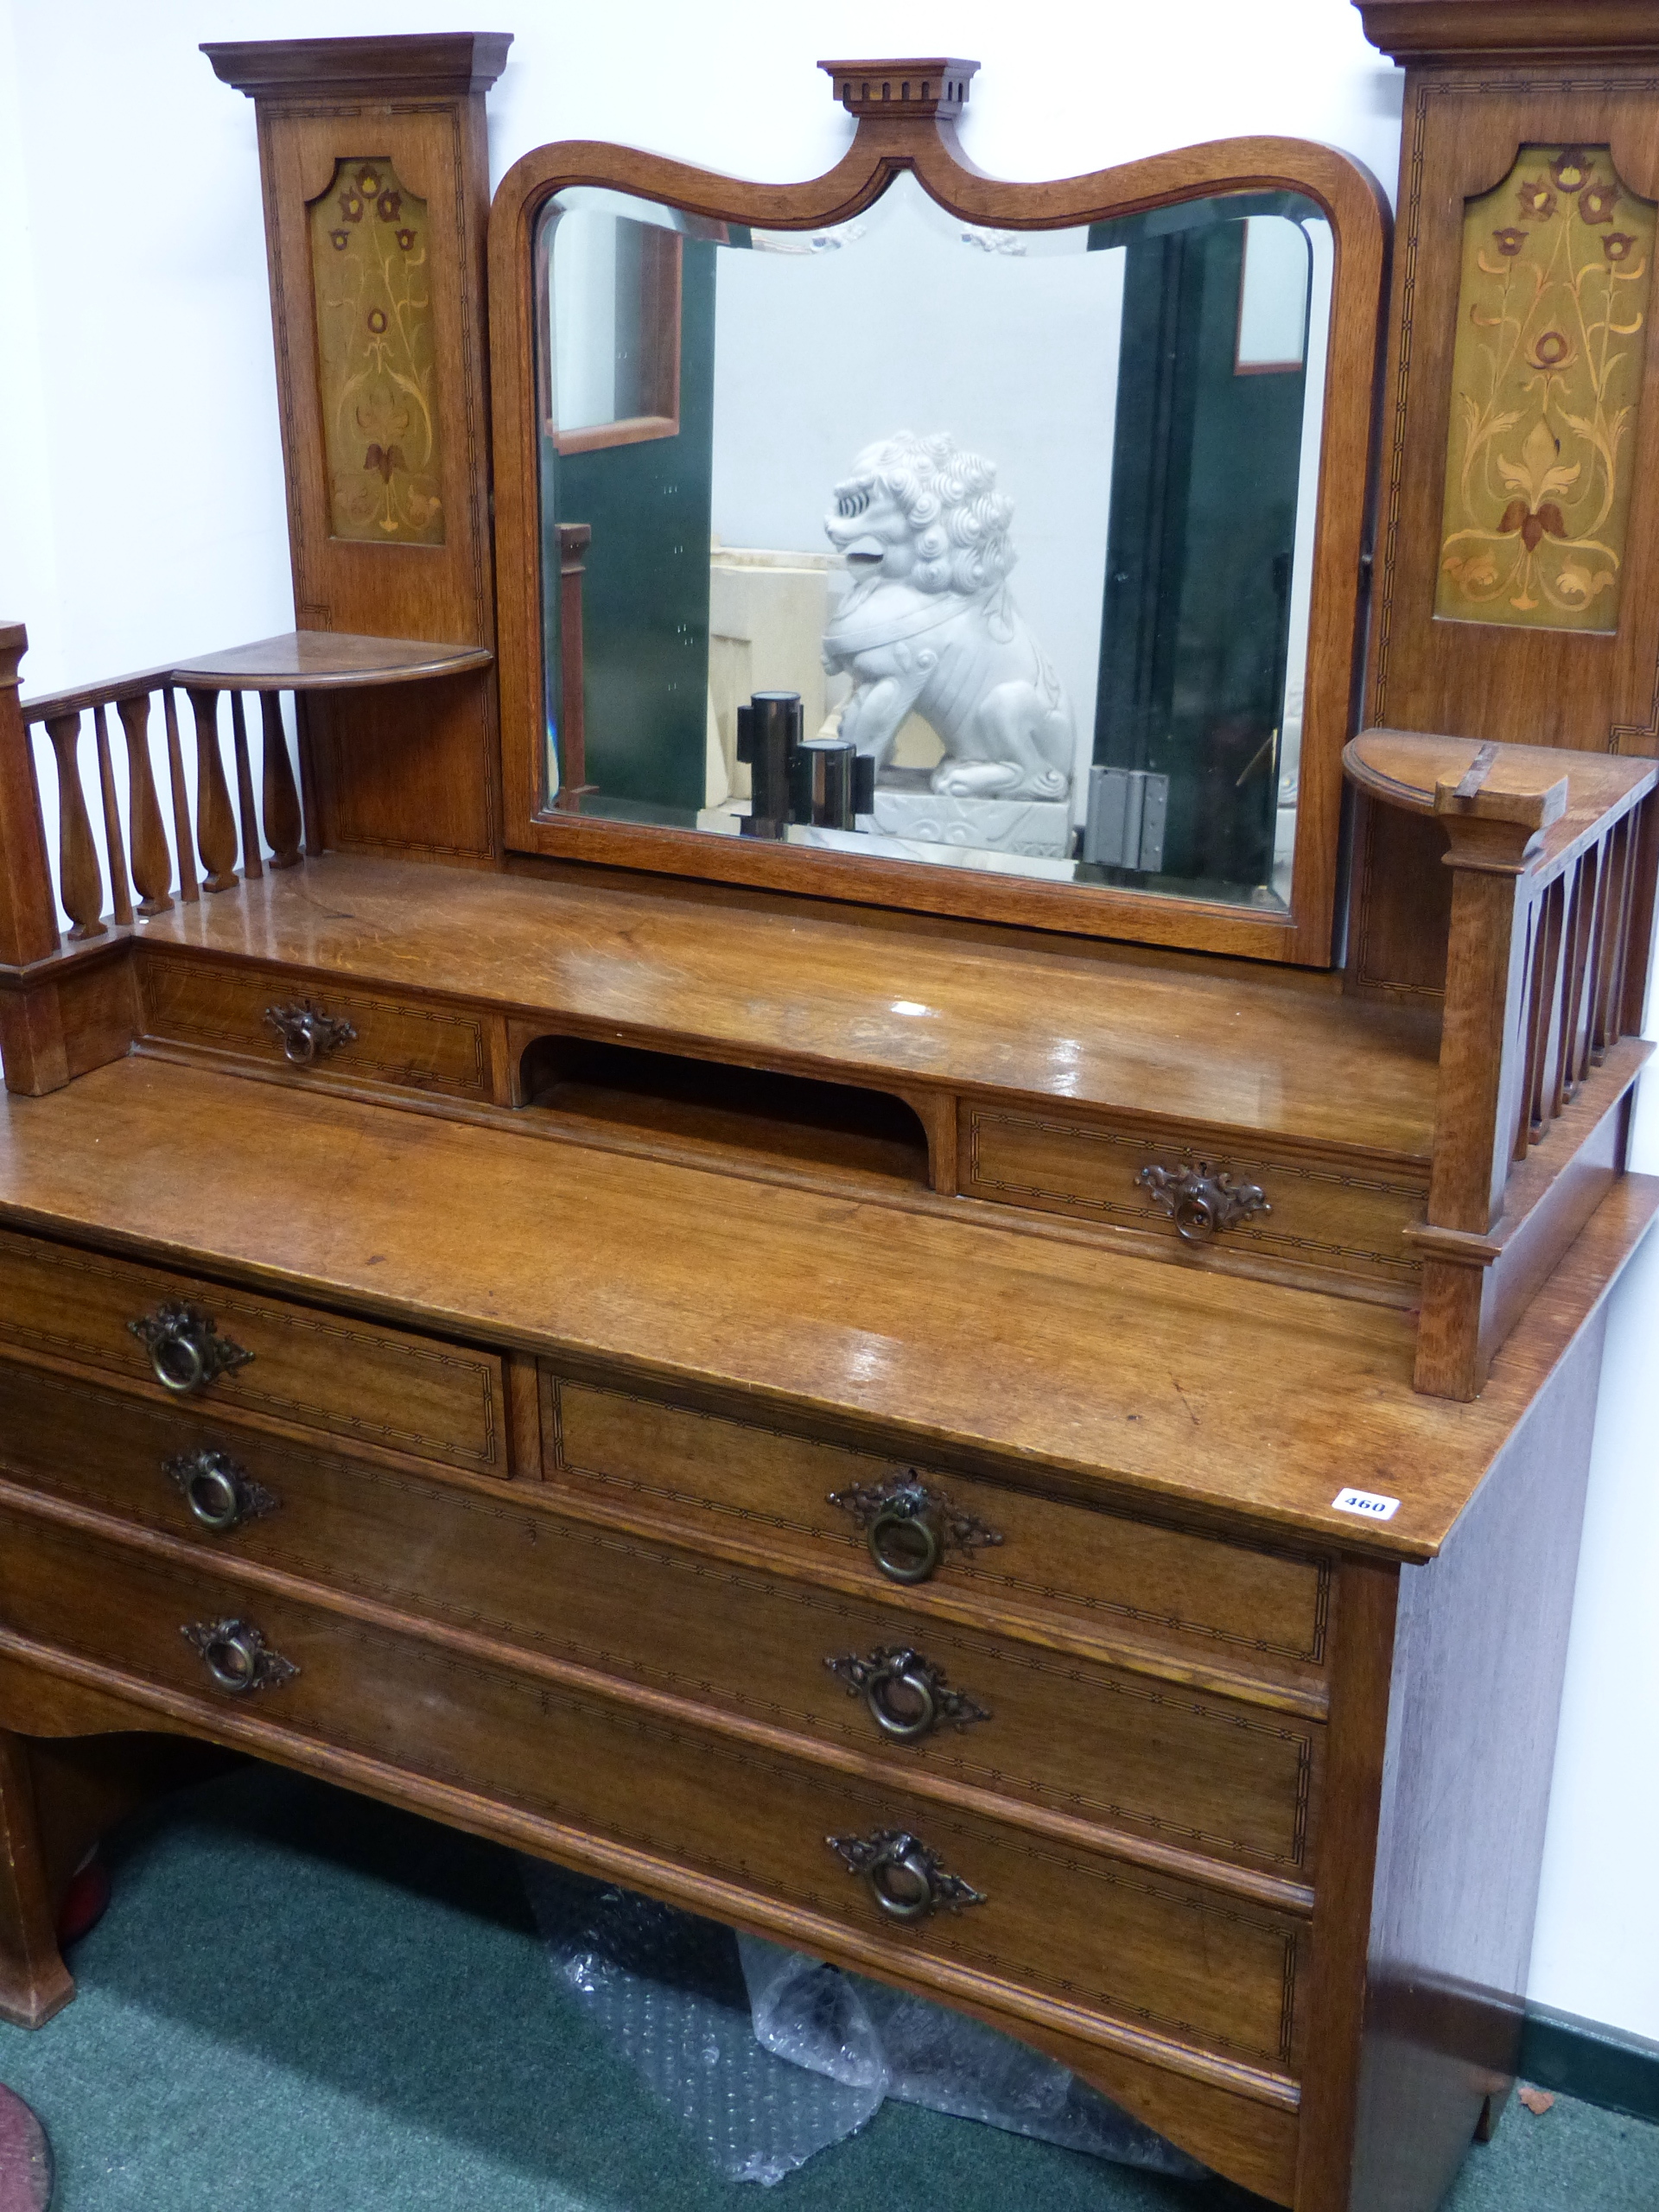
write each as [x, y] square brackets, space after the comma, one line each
[817, 358]
[140, 508]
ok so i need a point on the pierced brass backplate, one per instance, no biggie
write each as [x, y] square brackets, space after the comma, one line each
[1203, 1200]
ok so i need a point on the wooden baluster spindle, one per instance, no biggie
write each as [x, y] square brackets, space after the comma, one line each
[1616, 850]
[253, 860]
[283, 827]
[28, 912]
[1544, 1049]
[1519, 1095]
[184, 835]
[114, 844]
[1636, 935]
[1580, 972]
[80, 885]
[152, 864]
[215, 823]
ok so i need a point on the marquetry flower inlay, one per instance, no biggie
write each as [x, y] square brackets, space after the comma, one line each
[376, 358]
[1547, 377]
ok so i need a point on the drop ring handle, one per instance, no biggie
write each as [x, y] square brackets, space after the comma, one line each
[185, 1348]
[904, 1538]
[236, 1656]
[917, 1715]
[220, 1494]
[902, 1875]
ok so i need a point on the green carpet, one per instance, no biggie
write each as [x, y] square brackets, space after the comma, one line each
[303, 2002]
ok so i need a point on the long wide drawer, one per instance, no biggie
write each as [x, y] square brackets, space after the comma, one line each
[254, 1354]
[356, 1032]
[1018, 1555]
[1098, 1743]
[1074, 1924]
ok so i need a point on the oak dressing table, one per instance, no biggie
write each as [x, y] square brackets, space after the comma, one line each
[1015, 1419]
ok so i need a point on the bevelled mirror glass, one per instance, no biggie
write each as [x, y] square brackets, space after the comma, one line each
[986, 549]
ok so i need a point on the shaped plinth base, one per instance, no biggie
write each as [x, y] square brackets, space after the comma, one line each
[1038, 827]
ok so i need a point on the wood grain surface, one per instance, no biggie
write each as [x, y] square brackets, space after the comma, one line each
[926, 146]
[1202, 1974]
[1141, 1383]
[1057, 1565]
[1478, 1657]
[1236, 1044]
[324, 660]
[748, 1650]
[409, 1044]
[1582, 76]
[315, 1369]
[34, 1981]
[394, 768]
[1345, 1218]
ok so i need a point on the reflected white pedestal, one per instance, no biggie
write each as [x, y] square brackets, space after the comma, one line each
[1039, 827]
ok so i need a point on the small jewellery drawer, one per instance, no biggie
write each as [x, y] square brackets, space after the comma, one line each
[1017, 1557]
[297, 1021]
[1210, 1774]
[923, 1885]
[241, 1353]
[1346, 1216]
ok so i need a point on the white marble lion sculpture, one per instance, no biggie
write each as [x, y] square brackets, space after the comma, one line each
[929, 626]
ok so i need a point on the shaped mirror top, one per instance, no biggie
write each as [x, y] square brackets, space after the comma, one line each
[985, 549]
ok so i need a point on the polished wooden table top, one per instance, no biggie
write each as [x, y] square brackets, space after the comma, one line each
[1170, 1389]
[327, 660]
[1234, 1044]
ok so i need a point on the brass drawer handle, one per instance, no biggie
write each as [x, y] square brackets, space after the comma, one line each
[903, 1877]
[238, 1656]
[308, 1035]
[220, 1495]
[1202, 1200]
[907, 1695]
[185, 1350]
[908, 1527]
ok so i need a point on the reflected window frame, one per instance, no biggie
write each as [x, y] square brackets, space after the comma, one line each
[656, 311]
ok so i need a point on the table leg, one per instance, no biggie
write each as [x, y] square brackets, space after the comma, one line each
[34, 1981]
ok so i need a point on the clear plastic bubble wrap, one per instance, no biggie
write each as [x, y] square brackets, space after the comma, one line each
[766, 2055]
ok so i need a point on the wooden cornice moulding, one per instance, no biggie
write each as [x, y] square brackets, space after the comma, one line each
[1453, 31]
[912, 89]
[444, 63]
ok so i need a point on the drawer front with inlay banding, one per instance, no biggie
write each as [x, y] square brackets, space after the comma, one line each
[175, 1338]
[1013, 1556]
[1341, 1216]
[947, 1895]
[258, 1014]
[956, 1707]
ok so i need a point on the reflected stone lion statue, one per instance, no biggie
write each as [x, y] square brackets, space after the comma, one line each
[930, 627]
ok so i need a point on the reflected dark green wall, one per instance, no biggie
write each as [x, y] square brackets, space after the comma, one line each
[645, 595]
[1199, 557]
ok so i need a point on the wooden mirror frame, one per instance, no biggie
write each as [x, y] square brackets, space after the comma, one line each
[918, 134]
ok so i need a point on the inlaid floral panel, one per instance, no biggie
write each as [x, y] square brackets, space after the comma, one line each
[1547, 377]
[375, 357]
